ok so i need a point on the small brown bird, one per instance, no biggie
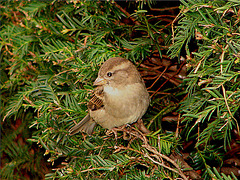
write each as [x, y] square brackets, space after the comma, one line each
[120, 97]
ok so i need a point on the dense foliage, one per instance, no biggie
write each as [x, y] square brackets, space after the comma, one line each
[51, 53]
[211, 112]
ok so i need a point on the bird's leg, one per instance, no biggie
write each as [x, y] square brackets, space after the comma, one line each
[110, 131]
[116, 129]
[127, 131]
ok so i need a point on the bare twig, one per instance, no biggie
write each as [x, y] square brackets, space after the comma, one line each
[153, 150]
[126, 13]
[192, 174]
[164, 9]
[158, 77]
[159, 157]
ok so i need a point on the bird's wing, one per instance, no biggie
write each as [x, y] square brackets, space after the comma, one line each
[87, 124]
[96, 102]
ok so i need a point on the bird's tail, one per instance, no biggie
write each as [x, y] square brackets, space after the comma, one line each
[86, 125]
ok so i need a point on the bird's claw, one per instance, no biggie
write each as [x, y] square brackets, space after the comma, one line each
[121, 128]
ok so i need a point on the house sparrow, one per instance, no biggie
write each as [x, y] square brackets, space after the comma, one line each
[120, 97]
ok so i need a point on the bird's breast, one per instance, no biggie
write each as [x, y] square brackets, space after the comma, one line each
[125, 101]
[113, 92]
[123, 105]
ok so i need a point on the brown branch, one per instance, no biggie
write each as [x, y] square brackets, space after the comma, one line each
[164, 9]
[153, 150]
[159, 157]
[167, 80]
[192, 174]
[158, 78]
[126, 13]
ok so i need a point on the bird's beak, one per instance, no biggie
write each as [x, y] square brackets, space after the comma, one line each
[99, 82]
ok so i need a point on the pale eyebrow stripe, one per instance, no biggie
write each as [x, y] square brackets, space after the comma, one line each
[121, 66]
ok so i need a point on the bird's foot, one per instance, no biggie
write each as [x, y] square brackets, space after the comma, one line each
[110, 131]
[128, 130]
[120, 128]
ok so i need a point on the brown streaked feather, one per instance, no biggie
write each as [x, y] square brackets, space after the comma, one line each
[87, 124]
[95, 103]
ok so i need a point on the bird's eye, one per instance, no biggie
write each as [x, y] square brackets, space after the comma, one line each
[109, 74]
